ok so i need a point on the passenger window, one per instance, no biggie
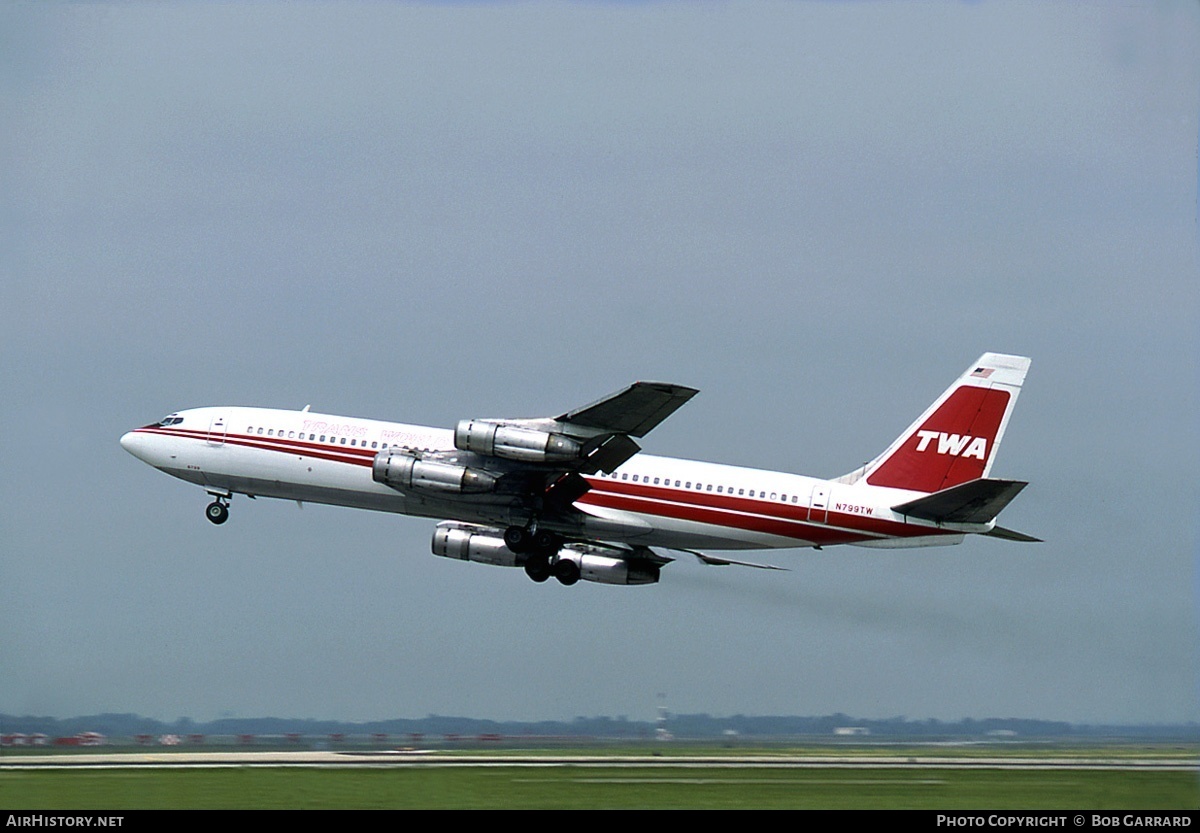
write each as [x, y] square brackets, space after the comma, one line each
[741, 491]
[259, 430]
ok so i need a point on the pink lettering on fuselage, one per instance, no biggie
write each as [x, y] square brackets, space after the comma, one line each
[338, 429]
[407, 438]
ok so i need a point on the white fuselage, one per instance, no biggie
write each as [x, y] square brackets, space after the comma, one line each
[656, 501]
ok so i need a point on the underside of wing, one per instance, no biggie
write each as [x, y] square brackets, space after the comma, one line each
[715, 561]
[1013, 535]
[633, 411]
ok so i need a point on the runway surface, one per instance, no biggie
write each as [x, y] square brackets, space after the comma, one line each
[316, 758]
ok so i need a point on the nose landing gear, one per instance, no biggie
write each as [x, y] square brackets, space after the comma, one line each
[217, 511]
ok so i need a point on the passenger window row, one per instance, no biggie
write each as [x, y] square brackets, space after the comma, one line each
[761, 494]
[331, 439]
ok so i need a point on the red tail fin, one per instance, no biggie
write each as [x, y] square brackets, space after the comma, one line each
[956, 439]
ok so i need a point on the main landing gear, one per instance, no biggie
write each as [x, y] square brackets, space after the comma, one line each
[541, 547]
[217, 511]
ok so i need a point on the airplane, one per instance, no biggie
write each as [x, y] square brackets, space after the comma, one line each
[573, 497]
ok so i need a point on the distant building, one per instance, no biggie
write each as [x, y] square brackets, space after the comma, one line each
[852, 731]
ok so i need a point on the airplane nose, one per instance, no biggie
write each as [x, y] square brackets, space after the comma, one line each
[135, 444]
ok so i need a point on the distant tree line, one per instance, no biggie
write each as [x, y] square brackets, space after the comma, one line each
[680, 726]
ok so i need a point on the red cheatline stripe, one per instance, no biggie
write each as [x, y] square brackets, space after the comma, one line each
[724, 518]
[337, 453]
[776, 510]
[288, 444]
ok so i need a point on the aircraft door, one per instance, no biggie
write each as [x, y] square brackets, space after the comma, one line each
[216, 431]
[818, 505]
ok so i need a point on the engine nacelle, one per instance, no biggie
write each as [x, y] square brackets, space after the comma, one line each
[486, 546]
[400, 470]
[604, 569]
[528, 445]
[466, 544]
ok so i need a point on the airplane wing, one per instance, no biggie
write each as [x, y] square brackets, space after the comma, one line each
[1013, 535]
[714, 561]
[633, 411]
[596, 437]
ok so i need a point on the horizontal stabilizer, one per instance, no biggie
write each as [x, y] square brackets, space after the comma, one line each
[1013, 535]
[977, 501]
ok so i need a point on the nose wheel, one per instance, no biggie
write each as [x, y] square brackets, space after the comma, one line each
[217, 511]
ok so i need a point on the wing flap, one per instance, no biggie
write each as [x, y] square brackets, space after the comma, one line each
[609, 453]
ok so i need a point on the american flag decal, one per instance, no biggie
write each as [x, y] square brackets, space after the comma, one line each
[982, 372]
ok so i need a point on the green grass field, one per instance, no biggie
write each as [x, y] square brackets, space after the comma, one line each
[566, 787]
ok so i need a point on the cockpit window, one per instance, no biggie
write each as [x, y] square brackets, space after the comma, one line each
[170, 419]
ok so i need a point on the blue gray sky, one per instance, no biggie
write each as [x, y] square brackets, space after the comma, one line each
[816, 213]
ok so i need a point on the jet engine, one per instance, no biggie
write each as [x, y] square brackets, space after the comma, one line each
[605, 569]
[401, 470]
[604, 565]
[470, 544]
[527, 445]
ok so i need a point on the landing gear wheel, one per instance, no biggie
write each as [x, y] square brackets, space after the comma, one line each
[537, 569]
[518, 539]
[217, 512]
[566, 571]
[546, 543]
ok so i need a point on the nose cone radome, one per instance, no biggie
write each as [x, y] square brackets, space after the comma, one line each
[135, 444]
